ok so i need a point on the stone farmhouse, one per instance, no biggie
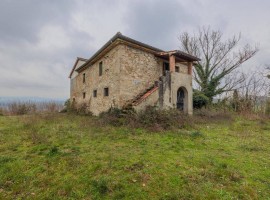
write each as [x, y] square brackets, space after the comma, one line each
[127, 73]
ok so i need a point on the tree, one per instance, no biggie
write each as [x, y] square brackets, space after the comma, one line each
[267, 67]
[219, 59]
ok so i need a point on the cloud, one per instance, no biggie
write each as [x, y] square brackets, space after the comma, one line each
[158, 22]
[21, 20]
[40, 40]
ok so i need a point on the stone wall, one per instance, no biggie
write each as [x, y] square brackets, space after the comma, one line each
[127, 72]
[151, 100]
[182, 80]
[183, 67]
[168, 87]
[109, 79]
[139, 71]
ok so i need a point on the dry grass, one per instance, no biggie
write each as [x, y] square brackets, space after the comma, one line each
[23, 108]
[160, 120]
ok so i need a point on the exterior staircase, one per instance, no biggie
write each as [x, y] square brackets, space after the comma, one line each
[160, 84]
[141, 97]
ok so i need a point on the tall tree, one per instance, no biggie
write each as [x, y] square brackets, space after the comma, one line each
[219, 58]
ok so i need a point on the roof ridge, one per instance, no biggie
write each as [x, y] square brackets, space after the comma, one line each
[119, 35]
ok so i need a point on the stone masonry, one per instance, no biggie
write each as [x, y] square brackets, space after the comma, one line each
[129, 70]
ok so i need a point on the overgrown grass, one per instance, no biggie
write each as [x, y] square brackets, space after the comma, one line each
[62, 156]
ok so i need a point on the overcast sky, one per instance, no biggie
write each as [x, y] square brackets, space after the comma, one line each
[40, 40]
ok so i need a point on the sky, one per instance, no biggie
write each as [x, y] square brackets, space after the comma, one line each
[40, 40]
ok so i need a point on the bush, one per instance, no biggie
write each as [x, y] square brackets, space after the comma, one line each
[151, 118]
[213, 113]
[155, 119]
[52, 107]
[82, 109]
[68, 107]
[17, 108]
[114, 116]
[199, 99]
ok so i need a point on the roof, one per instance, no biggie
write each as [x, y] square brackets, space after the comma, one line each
[76, 62]
[119, 35]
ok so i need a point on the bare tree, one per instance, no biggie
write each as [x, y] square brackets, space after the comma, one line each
[252, 93]
[267, 67]
[219, 59]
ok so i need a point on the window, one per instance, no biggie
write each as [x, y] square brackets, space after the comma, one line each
[166, 67]
[84, 94]
[100, 68]
[83, 77]
[106, 92]
[177, 69]
[95, 93]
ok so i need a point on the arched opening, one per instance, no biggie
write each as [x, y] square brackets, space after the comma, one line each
[181, 102]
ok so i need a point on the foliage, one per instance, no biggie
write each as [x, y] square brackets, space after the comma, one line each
[219, 59]
[21, 108]
[65, 156]
[151, 118]
[199, 99]
[69, 106]
[72, 107]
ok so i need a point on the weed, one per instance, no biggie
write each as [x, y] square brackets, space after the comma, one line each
[53, 151]
[101, 186]
[196, 134]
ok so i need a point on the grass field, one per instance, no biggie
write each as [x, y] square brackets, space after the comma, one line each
[64, 156]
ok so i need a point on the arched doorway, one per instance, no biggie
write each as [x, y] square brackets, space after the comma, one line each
[181, 102]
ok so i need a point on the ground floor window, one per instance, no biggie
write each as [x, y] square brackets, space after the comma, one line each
[106, 92]
[95, 93]
[84, 94]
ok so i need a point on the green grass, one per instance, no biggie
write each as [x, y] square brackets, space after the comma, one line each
[73, 157]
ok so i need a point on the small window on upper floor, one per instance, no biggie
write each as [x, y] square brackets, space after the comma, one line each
[84, 94]
[83, 77]
[100, 68]
[106, 92]
[177, 69]
[95, 93]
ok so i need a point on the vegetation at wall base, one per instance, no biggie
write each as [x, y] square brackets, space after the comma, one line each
[212, 155]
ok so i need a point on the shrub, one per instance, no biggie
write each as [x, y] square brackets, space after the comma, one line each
[1, 112]
[82, 109]
[151, 118]
[52, 107]
[72, 107]
[53, 151]
[199, 99]
[114, 116]
[101, 186]
[18, 108]
[69, 106]
[212, 114]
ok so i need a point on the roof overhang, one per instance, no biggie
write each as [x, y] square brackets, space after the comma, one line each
[179, 56]
[75, 64]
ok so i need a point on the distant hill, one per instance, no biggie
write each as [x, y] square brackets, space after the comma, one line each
[6, 100]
